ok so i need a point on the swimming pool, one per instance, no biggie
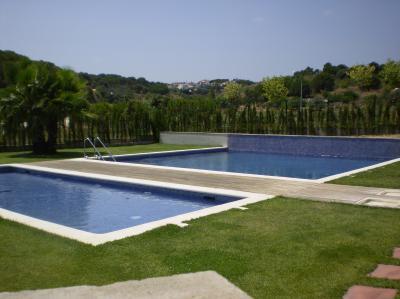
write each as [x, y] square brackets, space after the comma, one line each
[285, 157]
[100, 206]
[259, 163]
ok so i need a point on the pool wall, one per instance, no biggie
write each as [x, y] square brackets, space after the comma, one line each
[348, 147]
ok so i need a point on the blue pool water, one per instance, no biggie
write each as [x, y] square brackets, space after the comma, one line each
[95, 206]
[306, 167]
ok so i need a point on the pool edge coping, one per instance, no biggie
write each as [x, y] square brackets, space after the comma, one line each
[98, 239]
[358, 170]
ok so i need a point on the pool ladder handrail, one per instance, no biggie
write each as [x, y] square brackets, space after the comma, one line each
[96, 152]
[98, 155]
[105, 147]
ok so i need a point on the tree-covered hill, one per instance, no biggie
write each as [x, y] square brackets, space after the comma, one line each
[10, 63]
[336, 83]
[115, 88]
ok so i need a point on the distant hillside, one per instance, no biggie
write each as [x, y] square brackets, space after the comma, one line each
[104, 87]
[10, 62]
[115, 88]
[335, 83]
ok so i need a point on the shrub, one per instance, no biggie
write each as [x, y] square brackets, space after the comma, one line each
[343, 97]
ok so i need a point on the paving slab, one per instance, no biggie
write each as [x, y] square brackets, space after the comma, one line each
[386, 271]
[364, 292]
[271, 186]
[200, 285]
[396, 253]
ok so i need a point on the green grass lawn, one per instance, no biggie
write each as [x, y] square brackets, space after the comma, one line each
[26, 157]
[278, 248]
[282, 248]
[386, 177]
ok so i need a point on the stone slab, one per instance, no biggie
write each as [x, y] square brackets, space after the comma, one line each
[386, 271]
[364, 292]
[200, 285]
[396, 253]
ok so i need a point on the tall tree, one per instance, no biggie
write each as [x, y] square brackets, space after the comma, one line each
[362, 75]
[391, 73]
[43, 96]
[274, 89]
[232, 91]
[323, 82]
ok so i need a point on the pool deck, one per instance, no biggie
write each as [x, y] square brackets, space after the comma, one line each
[298, 189]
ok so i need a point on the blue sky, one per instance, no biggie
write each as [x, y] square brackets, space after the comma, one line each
[184, 40]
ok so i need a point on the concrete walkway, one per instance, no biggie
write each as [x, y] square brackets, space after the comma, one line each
[201, 285]
[298, 189]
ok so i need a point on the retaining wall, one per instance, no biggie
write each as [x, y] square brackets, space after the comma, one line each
[350, 147]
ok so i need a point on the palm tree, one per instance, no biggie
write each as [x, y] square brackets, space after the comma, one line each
[43, 96]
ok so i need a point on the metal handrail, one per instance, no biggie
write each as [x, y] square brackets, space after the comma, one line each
[105, 147]
[95, 150]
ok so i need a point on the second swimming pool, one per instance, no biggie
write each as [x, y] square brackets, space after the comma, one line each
[283, 165]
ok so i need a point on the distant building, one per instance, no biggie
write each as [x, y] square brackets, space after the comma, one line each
[202, 84]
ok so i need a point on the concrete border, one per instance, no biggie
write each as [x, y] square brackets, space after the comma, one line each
[194, 138]
[280, 135]
[97, 239]
[310, 136]
[166, 153]
[344, 174]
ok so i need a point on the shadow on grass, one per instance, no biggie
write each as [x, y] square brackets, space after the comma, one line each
[58, 155]
[26, 156]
